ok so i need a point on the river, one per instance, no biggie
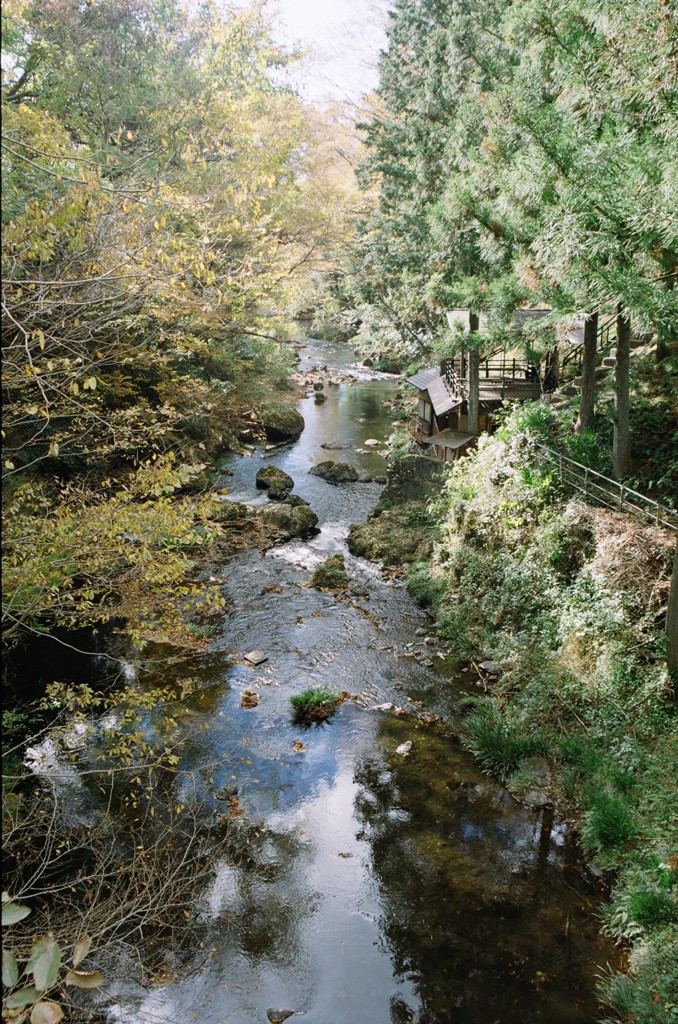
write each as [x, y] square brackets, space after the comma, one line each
[385, 889]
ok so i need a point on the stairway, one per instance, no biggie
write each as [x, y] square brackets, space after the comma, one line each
[565, 395]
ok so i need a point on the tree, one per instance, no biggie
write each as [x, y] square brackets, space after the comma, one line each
[588, 374]
[621, 443]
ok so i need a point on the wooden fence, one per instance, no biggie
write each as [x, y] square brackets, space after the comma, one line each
[600, 489]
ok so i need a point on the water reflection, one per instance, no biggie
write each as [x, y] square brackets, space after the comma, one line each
[378, 889]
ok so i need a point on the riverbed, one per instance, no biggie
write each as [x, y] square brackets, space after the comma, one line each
[386, 888]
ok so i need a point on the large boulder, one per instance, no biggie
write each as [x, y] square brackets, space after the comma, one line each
[335, 472]
[272, 478]
[280, 421]
[393, 537]
[289, 520]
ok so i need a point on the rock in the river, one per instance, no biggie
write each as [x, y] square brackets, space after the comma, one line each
[335, 472]
[364, 477]
[389, 537]
[404, 748]
[249, 699]
[380, 479]
[278, 493]
[293, 499]
[278, 1016]
[320, 397]
[330, 574]
[420, 632]
[371, 442]
[290, 520]
[256, 657]
[318, 385]
[270, 477]
[280, 421]
[367, 362]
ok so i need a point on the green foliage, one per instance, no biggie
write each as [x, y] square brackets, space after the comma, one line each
[315, 704]
[608, 823]
[498, 744]
[330, 574]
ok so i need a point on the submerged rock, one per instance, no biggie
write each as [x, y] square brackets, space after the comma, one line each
[404, 749]
[271, 478]
[335, 472]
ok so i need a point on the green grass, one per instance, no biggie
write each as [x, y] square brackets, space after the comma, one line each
[315, 704]
[499, 746]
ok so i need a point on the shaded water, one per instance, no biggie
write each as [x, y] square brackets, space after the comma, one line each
[384, 889]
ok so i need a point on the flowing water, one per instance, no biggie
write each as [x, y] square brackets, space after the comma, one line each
[384, 889]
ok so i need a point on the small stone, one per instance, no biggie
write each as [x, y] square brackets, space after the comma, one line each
[379, 479]
[318, 386]
[492, 668]
[278, 1016]
[371, 442]
[420, 632]
[429, 640]
[249, 699]
[226, 792]
[256, 657]
[404, 748]
[380, 707]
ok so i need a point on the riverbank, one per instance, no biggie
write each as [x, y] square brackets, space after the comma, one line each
[557, 609]
[356, 870]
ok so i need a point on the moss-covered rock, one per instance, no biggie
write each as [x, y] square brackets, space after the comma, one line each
[232, 511]
[330, 574]
[335, 472]
[289, 520]
[270, 477]
[393, 537]
[280, 421]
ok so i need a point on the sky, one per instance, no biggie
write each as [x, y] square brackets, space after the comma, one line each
[346, 37]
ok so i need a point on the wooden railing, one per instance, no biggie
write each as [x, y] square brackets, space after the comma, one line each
[603, 491]
[605, 339]
[491, 368]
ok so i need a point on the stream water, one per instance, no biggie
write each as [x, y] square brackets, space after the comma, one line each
[386, 888]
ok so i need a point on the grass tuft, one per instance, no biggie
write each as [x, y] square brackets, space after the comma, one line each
[315, 704]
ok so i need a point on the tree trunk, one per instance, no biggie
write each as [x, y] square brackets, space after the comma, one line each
[621, 443]
[672, 624]
[667, 333]
[552, 369]
[473, 380]
[588, 375]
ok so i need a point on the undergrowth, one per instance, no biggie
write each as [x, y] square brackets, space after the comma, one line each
[570, 600]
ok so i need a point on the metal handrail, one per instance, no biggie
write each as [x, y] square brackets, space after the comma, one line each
[607, 492]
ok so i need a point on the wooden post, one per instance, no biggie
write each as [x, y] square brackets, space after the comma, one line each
[473, 379]
[621, 443]
[588, 375]
[672, 624]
